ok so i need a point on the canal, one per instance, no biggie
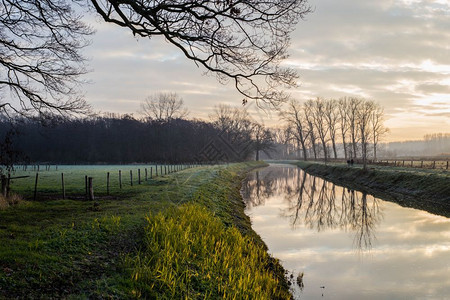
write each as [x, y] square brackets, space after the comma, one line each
[347, 244]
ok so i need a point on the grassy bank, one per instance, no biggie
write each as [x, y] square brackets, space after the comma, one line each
[418, 188]
[179, 236]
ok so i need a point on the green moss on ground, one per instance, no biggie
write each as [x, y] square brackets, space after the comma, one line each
[418, 188]
[70, 249]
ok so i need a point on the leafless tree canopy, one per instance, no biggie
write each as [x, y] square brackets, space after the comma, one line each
[164, 107]
[40, 59]
[356, 121]
[238, 40]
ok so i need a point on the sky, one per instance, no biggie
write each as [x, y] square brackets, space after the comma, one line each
[396, 52]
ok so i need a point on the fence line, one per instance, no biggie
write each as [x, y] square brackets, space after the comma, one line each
[415, 163]
[88, 194]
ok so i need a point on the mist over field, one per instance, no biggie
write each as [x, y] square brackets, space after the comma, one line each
[432, 145]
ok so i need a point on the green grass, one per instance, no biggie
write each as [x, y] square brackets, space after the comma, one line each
[419, 188]
[50, 183]
[57, 248]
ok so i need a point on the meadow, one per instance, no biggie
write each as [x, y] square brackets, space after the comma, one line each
[180, 235]
[50, 178]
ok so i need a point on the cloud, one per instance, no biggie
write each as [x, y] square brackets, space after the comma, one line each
[393, 51]
[433, 88]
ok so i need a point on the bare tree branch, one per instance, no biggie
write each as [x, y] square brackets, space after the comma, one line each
[164, 107]
[40, 60]
[239, 41]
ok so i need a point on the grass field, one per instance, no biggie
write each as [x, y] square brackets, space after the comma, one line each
[184, 235]
[50, 182]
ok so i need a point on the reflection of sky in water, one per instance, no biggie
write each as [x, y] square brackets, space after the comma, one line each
[356, 246]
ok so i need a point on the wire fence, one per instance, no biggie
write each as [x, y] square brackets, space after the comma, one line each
[37, 181]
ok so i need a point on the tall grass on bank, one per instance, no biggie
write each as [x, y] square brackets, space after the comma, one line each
[190, 254]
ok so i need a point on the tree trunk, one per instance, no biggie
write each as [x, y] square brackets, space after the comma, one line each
[325, 153]
[334, 148]
[344, 144]
[374, 152]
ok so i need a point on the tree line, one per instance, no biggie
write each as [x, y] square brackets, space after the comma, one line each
[348, 127]
[113, 138]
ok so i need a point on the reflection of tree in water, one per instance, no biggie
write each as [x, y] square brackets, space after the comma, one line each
[261, 185]
[316, 203]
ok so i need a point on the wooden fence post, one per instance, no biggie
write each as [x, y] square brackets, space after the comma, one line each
[63, 187]
[156, 170]
[411, 163]
[91, 189]
[447, 165]
[139, 176]
[120, 179]
[35, 186]
[146, 177]
[107, 183]
[434, 164]
[151, 172]
[86, 186]
[131, 177]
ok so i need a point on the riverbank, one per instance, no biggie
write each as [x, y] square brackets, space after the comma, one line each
[417, 188]
[176, 236]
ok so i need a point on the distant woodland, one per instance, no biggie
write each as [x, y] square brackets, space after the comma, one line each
[114, 139]
[171, 137]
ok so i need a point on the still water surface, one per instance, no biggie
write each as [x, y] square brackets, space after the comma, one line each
[348, 244]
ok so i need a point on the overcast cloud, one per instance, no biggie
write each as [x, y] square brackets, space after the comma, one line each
[395, 52]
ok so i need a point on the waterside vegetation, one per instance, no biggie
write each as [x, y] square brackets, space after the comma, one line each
[424, 189]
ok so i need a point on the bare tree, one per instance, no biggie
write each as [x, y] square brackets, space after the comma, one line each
[263, 140]
[241, 41]
[164, 107]
[294, 115]
[378, 129]
[40, 60]
[364, 114]
[309, 111]
[235, 126]
[353, 106]
[319, 120]
[282, 137]
[343, 122]
[331, 119]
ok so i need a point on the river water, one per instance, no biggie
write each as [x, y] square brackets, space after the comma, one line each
[348, 244]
